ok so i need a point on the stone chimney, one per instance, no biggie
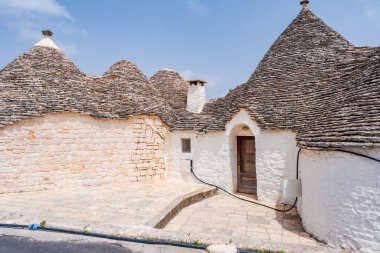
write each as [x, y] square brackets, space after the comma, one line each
[196, 96]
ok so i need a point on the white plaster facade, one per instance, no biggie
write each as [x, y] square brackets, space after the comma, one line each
[214, 157]
[67, 150]
[340, 201]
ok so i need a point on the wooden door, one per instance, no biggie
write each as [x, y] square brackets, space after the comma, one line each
[246, 171]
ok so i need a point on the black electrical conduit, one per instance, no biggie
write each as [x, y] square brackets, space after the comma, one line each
[358, 154]
[243, 199]
[297, 166]
[162, 242]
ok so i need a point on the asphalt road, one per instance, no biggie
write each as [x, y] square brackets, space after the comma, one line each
[15, 244]
[26, 241]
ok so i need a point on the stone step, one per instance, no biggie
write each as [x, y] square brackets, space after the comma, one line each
[174, 207]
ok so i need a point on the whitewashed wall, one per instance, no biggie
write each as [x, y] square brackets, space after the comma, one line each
[66, 150]
[214, 155]
[196, 98]
[340, 201]
[210, 155]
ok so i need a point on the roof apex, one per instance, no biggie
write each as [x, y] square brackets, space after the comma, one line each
[126, 69]
[304, 4]
[167, 69]
[47, 41]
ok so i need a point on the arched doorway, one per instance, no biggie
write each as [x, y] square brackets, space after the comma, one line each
[243, 136]
[246, 165]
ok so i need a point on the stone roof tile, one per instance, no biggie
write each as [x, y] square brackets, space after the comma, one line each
[311, 81]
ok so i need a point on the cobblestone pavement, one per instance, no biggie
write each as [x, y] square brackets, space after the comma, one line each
[114, 205]
[227, 217]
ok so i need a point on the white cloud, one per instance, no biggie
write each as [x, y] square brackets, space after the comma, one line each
[25, 28]
[372, 14]
[197, 7]
[68, 49]
[371, 10]
[28, 17]
[49, 7]
[212, 80]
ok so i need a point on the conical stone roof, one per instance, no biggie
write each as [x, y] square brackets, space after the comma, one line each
[43, 80]
[351, 117]
[171, 86]
[304, 84]
[311, 81]
[126, 69]
[288, 83]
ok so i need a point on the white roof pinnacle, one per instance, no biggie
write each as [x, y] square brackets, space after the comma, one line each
[47, 41]
[167, 69]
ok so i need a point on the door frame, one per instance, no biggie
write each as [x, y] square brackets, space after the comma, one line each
[239, 139]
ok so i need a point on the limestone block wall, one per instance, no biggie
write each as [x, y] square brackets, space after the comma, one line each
[67, 150]
[215, 157]
[340, 201]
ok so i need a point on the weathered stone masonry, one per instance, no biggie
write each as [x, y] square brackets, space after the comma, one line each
[67, 150]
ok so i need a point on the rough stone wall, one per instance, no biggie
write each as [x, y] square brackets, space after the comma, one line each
[340, 201]
[196, 98]
[66, 150]
[214, 155]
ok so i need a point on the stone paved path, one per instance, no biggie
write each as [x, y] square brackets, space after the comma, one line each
[227, 217]
[126, 209]
[114, 205]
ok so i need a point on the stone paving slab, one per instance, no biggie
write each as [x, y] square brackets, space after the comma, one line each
[126, 209]
[245, 224]
[209, 238]
[112, 206]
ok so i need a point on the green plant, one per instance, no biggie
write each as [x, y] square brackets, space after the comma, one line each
[43, 223]
[86, 229]
[197, 243]
[229, 242]
[268, 251]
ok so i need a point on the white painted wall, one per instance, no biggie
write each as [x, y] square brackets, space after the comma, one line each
[196, 98]
[276, 161]
[210, 155]
[214, 155]
[340, 201]
[46, 42]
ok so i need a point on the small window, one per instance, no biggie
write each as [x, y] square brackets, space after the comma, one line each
[186, 145]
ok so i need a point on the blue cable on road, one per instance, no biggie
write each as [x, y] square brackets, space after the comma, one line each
[112, 237]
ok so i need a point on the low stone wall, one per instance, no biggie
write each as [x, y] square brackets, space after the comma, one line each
[340, 202]
[67, 150]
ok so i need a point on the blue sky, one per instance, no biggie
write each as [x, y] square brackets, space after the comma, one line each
[220, 41]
